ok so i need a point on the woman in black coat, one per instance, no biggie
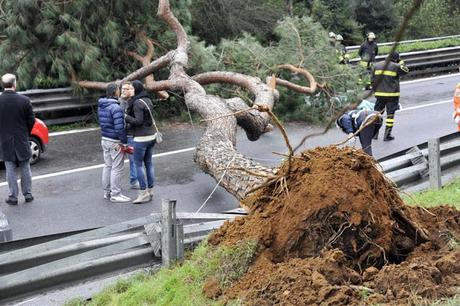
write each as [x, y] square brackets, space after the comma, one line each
[140, 118]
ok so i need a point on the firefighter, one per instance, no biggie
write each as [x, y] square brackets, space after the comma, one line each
[385, 84]
[350, 122]
[368, 51]
[332, 39]
[341, 50]
[456, 114]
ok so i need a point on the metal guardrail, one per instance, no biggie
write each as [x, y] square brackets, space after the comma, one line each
[423, 162]
[59, 105]
[111, 248]
[352, 48]
[428, 62]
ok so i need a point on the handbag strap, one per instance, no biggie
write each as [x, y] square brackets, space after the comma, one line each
[151, 116]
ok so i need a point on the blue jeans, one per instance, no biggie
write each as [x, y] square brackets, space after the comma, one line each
[143, 157]
[132, 166]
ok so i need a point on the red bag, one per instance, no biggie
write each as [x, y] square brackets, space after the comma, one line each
[127, 149]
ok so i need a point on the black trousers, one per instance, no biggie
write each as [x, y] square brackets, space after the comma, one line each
[368, 133]
[391, 104]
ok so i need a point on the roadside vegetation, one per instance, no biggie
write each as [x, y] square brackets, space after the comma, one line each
[448, 195]
[183, 283]
[71, 126]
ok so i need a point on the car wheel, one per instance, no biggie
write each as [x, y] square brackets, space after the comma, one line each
[35, 147]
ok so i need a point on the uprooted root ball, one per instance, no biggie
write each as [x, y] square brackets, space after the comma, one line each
[331, 200]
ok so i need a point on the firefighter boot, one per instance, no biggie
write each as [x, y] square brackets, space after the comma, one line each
[387, 136]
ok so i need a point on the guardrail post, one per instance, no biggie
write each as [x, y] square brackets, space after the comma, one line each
[434, 161]
[168, 233]
[179, 227]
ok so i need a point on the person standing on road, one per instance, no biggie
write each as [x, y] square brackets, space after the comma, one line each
[341, 50]
[127, 93]
[140, 117]
[352, 121]
[16, 122]
[113, 140]
[385, 84]
[368, 51]
[456, 114]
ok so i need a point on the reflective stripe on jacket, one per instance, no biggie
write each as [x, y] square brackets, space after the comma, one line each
[385, 82]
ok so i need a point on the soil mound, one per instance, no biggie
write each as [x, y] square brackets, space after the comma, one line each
[334, 231]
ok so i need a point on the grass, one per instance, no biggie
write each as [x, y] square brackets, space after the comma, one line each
[182, 284]
[417, 46]
[448, 195]
[71, 126]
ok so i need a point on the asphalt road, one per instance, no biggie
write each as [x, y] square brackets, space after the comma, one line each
[67, 183]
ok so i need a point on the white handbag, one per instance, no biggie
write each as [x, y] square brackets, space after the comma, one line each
[158, 135]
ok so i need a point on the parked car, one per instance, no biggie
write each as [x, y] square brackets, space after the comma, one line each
[38, 140]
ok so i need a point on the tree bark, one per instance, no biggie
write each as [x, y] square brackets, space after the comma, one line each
[216, 150]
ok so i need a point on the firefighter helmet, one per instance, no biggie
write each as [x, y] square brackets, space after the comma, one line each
[331, 35]
[394, 56]
[371, 35]
[339, 37]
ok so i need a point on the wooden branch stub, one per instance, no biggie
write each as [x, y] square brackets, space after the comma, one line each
[298, 88]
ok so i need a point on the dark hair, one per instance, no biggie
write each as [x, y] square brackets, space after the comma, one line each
[138, 87]
[111, 90]
[394, 57]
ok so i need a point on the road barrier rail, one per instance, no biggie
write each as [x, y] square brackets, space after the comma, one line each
[352, 48]
[424, 162]
[61, 105]
[143, 241]
[428, 62]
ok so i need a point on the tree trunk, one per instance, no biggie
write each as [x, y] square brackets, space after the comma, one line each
[216, 152]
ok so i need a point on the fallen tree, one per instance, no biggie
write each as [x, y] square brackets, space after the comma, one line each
[216, 152]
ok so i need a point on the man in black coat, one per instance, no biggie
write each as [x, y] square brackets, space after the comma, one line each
[16, 122]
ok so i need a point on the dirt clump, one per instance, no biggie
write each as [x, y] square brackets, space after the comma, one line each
[334, 231]
[211, 288]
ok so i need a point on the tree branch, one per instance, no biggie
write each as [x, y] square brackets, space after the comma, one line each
[303, 72]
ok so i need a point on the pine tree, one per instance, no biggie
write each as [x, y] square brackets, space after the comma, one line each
[48, 41]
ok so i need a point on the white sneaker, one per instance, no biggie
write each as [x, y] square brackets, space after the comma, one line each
[120, 199]
[107, 195]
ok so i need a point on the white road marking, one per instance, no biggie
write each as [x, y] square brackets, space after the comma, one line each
[73, 132]
[433, 78]
[26, 301]
[425, 105]
[77, 170]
